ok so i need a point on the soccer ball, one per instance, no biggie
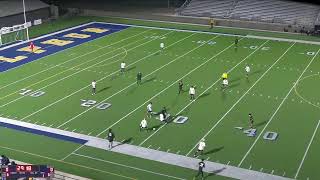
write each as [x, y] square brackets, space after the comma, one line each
[154, 129]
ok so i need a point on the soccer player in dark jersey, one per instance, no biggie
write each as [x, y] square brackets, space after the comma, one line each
[236, 42]
[180, 86]
[110, 138]
[164, 112]
[202, 165]
[251, 120]
[139, 77]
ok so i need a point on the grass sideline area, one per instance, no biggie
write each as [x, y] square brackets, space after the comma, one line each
[280, 91]
[73, 21]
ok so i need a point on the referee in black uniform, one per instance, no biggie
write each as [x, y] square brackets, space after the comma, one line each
[200, 170]
[180, 86]
[110, 138]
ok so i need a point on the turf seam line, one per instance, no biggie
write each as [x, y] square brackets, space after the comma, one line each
[69, 59]
[219, 79]
[127, 166]
[134, 83]
[307, 150]
[77, 72]
[220, 120]
[273, 115]
[85, 87]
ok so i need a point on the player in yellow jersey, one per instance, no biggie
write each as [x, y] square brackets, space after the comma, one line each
[224, 76]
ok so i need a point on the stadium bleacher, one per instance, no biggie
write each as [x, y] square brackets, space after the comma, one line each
[272, 11]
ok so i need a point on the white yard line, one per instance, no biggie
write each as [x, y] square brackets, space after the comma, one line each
[100, 80]
[127, 166]
[280, 105]
[219, 79]
[218, 122]
[71, 58]
[164, 90]
[77, 72]
[307, 150]
[134, 83]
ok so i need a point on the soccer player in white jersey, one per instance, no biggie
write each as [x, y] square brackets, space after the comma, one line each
[149, 109]
[247, 69]
[192, 93]
[225, 83]
[143, 124]
[93, 85]
[201, 147]
[161, 46]
[122, 67]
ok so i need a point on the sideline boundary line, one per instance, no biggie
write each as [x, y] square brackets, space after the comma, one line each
[276, 111]
[127, 166]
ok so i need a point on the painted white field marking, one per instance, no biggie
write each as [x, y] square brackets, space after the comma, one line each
[164, 89]
[121, 59]
[77, 72]
[307, 150]
[126, 166]
[218, 122]
[65, 162]
[271, 118]
[298, 94]
[71, 58]
[135, 82]
[103, 79]
[74, 151]
[219, 79]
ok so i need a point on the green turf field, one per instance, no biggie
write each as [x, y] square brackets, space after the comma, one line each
[281, 92]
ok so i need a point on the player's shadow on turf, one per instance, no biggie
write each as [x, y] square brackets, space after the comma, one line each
[204, 95]
[131, 68]
[233, 85]
[149, 80]
[126, 141]
[215, 150]
[215, 172]
[260, 124]
[256, 72]
[104, 89]
[235, 80]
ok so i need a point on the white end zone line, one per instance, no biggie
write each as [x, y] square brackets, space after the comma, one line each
[218, 122]
[204, 91]
[71, 58]
[77, 72]
[175, 59]
[307, 150]
[101, 80]
[280, 105]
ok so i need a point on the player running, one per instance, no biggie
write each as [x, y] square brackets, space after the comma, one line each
[139, 77]
[236, 41]
[201, 165]
[225, 83]
[192, 92]
[110, 138]
[251, 120]
[122, 67]
[200, 149]
[180, 86]
[247, 69]
[149, 109]
[143, 124]
[93, 85]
